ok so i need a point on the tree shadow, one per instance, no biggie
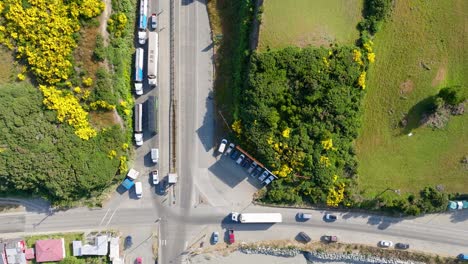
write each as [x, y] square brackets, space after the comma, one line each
[416, 113]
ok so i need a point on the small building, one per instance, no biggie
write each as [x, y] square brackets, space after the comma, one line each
[100, 247]
[14, 251]
[50, 250]
[114, 249]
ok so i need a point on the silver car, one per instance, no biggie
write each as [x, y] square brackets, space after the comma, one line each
[269, 180]
[263, 176]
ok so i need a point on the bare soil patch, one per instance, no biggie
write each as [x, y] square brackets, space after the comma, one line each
[441, 74]
[406, 87]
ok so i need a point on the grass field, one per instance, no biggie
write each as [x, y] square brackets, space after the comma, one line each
[433, 33]
[305, 22]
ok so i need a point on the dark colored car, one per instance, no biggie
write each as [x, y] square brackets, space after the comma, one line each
[330, 217]
[303, 217]
[330, 239]
[231, 236]
[128, 242]
[215, 237]
[256, 172]
[235, 154]
[305, 237]
[402, 245]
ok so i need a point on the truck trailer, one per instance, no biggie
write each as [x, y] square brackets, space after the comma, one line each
[139, 56]
[152, 58]
[138, 124]
[256, 217]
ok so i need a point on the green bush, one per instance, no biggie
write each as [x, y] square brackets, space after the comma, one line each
[99, 53]
[103, 89]
[452, 95]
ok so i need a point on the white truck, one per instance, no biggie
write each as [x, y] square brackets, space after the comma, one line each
[139, 56]
[138, 124]
[133, 174]
[155, 155]
[246, 218]
[138, 189]
[153, 58]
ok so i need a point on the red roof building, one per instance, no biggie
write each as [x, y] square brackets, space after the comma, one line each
[50, 250]
[29, 253]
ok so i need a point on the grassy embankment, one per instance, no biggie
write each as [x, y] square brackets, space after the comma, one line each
[430, 32]
[231, 40]
[309, 23]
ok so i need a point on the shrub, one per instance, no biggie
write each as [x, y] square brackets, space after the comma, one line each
[99, 53]
[452, 95]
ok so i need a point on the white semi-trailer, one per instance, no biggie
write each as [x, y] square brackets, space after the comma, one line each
[143, 22]
[138, 124]
[139, 56]
[153, 58]
[256, 217]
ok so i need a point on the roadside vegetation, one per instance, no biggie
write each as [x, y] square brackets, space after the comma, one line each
[409, 140]
[230, 23]
[305, 23]
[64, 138]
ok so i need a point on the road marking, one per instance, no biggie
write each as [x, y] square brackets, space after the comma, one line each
[104, 217]
[163, 242]
[111, 216]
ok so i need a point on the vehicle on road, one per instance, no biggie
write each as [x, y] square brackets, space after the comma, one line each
[229, 149]
[138, 124]
[269, 180]
[330, 217]
[142, 37]
[128, 184]
[215, 237]
[305, 237]
[232, 239]
[155, 177]
[252, 167]
[155, 155]
[153, 49]
[463, 257]
[128, 242]
[138, 189]
[139, 260]
[256, 217]
[402, 245]
[154, 21]
[163, 186]
[133, 174]
[385, 243]
[245, 162]
[240, 159]
[263, 176]
[303, 216]
[222, 146]
[143, 22]
[330, 239]
[256, 171]
[139, 56]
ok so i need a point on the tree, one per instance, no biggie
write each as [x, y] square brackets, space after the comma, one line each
[452, 95]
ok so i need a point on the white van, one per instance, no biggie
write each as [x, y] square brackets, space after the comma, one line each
[222, 146]
[138, 189]
[155, 155]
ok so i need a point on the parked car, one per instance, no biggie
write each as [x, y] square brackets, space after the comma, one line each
[385, 243]
[235, 154]
[163, 186]
[245, 162]
[269, 180]
[154, 21]
[240, 159]
[305, 237]
[231, 236]
[215, 237]
[402, 245]
[128, 242]
[229, 149]
[155, 176]
[330, 239]
[330, 217]
[252, 167]
[222, 146]
[263, 176]
[256, 172]
[139, 260]
[303, 217]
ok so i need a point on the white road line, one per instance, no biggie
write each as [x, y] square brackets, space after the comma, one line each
[111, 216]
[104, 217]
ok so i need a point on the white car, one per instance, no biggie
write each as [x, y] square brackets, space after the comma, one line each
[268, 181]
[385, 243]
[154, 21]
[222, 146]
[155, 176]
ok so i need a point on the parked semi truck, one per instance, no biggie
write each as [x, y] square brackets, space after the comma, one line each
[139, 56]
[138, 124]
[143, 22]
[153, 58]
[256, 217]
